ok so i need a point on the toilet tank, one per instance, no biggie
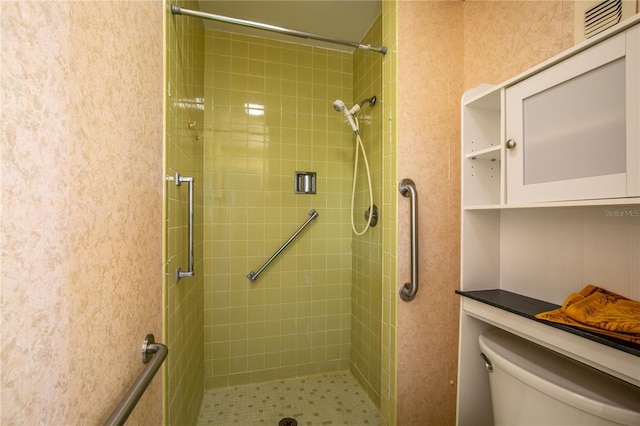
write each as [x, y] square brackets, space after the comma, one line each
[531, 385]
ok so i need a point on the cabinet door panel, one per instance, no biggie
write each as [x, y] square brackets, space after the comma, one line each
[570, 127]
[576, 129]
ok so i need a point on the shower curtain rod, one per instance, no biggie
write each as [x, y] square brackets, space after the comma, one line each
[178, 10]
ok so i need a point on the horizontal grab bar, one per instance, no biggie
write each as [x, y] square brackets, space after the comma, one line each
[253, 276]
[151, 351]
[407, 188]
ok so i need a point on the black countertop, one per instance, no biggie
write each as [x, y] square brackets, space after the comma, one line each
[528, 307]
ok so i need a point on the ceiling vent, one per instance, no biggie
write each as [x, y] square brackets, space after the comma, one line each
[593, 17]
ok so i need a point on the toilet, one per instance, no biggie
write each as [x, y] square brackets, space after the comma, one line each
[531, 385]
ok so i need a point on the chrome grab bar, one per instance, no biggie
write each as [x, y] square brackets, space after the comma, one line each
[151, 351]
[407, 188]
[188, 273]
[253, 276]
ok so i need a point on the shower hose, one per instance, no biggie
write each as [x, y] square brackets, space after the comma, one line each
[360, 146]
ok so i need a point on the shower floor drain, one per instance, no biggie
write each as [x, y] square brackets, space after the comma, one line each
[288, 421]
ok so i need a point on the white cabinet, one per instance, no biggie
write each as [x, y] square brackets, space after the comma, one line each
[573, 128]
[521, 256]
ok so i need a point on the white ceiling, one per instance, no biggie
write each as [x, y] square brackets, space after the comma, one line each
[343, 19]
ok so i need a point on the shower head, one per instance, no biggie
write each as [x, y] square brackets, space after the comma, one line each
[338, 105]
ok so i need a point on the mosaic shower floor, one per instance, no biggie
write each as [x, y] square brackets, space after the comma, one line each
[327, 399]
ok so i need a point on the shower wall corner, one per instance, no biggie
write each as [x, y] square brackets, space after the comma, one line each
[183, 300]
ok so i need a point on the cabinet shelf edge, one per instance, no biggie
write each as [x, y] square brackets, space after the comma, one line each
[579, 203]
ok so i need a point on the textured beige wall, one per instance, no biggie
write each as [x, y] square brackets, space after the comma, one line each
[81, 207]
[504, 38]
[430, 37]
[445, 48]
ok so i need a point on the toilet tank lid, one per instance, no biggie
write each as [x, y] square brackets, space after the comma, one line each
[563, 378]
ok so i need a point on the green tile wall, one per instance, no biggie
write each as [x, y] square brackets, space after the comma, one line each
[183, 301]
[390, 284]
[366, 299]
[268, 113]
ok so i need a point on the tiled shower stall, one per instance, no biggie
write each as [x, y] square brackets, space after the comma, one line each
[244, 114]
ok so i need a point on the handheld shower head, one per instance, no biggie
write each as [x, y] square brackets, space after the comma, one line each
[338, 105]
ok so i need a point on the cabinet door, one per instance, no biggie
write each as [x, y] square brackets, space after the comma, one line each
[573, 126]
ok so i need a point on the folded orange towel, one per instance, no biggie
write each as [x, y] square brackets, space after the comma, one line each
[600, 311]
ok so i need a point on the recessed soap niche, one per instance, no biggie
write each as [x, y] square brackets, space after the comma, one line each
[305, 182]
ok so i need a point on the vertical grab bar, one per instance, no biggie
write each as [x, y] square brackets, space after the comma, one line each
[407, 188]
[188, 273]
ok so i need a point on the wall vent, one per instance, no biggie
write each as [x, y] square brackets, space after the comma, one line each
[595, 16]
[602, 16]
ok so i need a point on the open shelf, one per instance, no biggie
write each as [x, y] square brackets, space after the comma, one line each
[488, 154]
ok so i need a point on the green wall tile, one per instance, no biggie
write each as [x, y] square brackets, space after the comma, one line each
[184, 45]
[296, 318]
